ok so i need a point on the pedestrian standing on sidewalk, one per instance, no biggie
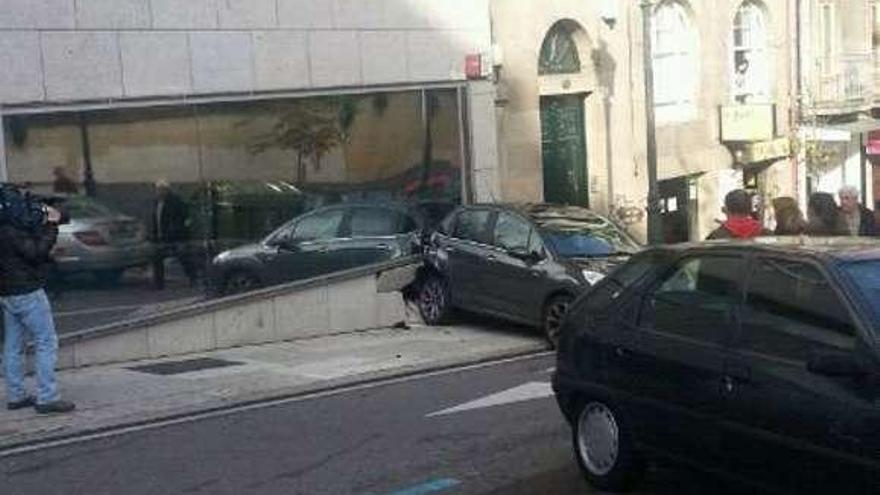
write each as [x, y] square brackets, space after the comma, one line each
[789, 219]
[823, 217]
[739, 224]
[24, 267]
[859, 220]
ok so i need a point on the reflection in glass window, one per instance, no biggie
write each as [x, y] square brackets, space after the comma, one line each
[320, 226]
[676, 71]
[511, 232]
[696, 299]
[791, 310]
[559, 53]
[368, 222]
[751, 60]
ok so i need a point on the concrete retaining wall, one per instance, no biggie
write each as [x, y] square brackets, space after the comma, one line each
[360, 299]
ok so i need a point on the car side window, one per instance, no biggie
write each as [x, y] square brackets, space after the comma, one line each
[373, 222]
[319, 226]
[792, 310]
[696, 298]
[472, 225]
[407, 224]
[512, 233]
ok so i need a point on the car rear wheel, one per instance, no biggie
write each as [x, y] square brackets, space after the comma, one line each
[554, 314]
[604, 448]
[240, 281]
[434, 300]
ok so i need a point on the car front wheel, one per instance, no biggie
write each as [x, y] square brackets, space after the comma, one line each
[434, 300]
[604, 448]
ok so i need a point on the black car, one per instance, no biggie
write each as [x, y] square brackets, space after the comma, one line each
[325, 240]
[523, 263]
[755, 360]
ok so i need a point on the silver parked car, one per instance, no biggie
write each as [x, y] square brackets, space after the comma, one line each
[100, 240]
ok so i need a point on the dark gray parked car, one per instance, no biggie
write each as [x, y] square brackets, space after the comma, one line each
[524, 263]
[325, 240]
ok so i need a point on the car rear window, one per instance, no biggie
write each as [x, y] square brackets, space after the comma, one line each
[367, 222]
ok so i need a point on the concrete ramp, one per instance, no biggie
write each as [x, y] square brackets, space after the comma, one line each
[359, 299]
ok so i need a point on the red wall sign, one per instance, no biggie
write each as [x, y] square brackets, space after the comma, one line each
[473, 66]
[873, 145]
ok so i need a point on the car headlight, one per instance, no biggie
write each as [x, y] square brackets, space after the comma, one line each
[593, 277]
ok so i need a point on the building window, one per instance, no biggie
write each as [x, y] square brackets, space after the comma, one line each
[751, 60]
[676, 70]
[875, 26]
[559, 53]
[826, 46]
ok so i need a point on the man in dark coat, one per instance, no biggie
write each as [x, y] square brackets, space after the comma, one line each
[739, 224]
[24, 268]
[169, 233]
[859, 221]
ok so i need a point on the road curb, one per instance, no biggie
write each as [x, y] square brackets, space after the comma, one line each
[36, 441]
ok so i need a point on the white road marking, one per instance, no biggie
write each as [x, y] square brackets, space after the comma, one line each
[522, 393]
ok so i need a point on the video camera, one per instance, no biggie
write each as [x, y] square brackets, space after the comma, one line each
[25, 210]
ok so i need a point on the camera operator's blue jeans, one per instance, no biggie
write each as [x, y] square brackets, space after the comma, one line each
[23, 315]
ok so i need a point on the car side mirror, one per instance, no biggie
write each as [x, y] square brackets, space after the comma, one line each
[836, 365]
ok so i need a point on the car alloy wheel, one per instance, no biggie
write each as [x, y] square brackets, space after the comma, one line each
[554, 315]
[434, 300]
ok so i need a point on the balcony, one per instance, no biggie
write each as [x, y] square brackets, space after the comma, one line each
[842, 84]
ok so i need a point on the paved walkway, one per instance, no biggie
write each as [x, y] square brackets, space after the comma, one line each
[123, 394]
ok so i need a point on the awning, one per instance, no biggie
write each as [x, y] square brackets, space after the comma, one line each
[838, 132]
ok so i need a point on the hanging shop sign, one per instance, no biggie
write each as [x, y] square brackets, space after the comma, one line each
[872, 147]
[762, 151]
[745, 123]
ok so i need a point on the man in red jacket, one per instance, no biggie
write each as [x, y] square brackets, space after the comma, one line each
[739, 223]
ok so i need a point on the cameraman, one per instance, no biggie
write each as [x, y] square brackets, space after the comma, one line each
[24, 269]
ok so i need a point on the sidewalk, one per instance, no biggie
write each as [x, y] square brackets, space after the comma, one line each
[117, 395]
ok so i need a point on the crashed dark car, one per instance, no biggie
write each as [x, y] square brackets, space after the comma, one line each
[758, 361]
[524, 263]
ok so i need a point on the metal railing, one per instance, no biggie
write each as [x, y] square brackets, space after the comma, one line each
[846, 82]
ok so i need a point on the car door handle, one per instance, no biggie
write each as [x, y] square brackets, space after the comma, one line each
[492, 258]
[382, 245]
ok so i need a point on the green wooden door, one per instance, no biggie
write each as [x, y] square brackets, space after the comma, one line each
[564, 147]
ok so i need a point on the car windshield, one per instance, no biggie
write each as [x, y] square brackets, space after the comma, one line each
[585, 237]
[82, 207]
[866, 275]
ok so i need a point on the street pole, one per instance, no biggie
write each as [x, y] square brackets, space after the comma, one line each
[654, 227]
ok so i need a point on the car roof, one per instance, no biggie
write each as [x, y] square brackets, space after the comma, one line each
[831, 248]
[539, 210]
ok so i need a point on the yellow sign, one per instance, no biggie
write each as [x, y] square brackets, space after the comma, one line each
[747, 123]
[763, 151]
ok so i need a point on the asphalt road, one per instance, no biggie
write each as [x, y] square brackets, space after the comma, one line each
[377, 440]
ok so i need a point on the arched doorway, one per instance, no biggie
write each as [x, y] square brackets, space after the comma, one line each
[563, 129]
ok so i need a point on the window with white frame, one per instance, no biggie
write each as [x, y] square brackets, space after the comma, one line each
[751, 60]
[676, 71]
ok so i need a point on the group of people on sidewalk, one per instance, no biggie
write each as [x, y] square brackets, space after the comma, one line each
[824, 217]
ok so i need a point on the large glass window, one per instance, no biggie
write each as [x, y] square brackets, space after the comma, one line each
[167, 202]
[793, 310]
[676, 71]
[751, 65]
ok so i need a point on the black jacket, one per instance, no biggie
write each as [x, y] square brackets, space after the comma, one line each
[24, 259]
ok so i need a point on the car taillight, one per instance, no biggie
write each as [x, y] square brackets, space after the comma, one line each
[91, 238]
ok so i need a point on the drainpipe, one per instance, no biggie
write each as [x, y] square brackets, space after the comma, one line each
[654, 226]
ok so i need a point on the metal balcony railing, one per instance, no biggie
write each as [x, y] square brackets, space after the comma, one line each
[844, 83]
